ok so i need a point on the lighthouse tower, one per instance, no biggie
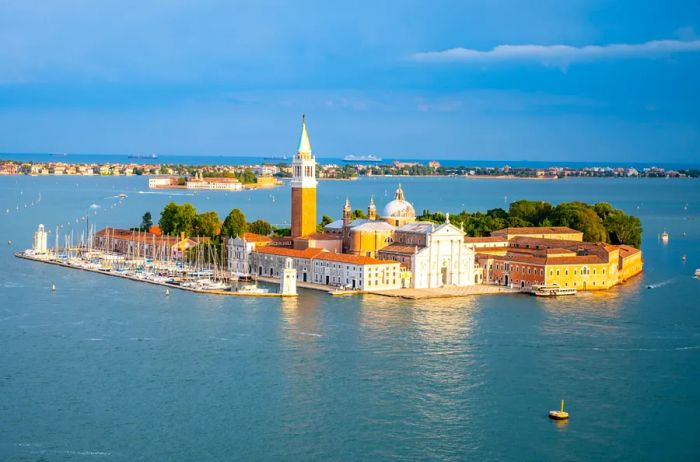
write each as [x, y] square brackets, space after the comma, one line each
[40, 239]
[303, 187]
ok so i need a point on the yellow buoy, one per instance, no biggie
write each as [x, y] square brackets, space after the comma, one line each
[560, 414]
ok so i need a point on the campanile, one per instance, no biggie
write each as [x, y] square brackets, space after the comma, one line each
[303, 187]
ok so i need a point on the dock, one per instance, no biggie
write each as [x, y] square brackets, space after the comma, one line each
[163, 284]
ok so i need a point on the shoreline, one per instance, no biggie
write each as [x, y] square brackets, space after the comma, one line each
[163, 284]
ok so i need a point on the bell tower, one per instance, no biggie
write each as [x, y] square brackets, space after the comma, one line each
[303, 187]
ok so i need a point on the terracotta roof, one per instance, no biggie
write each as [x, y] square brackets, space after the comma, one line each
[401, 248]
[353, 259]
[286, 252]
[320, 237]
[536, 230]
[476, 240]
[628, 250]
[252, 237]
[136, 236]
[578, 260]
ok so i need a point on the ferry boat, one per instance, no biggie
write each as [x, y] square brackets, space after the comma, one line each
[552, 291]
[143, 156]
[369, 158]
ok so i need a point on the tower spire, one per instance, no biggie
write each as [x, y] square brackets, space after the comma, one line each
[304, 143]
[372, 209]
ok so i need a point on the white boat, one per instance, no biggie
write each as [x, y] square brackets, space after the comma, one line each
[697, 273]
[369, 158]
[664, 236]
[553, 290]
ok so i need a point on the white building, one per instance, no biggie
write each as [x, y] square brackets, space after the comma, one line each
[214, 184]
[318, 266]
[436, 255]
[161, 182]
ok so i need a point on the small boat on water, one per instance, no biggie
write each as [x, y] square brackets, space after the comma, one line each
[664, 236]
[560, 414]
[697, 273]
[553, 290]
[53, 287]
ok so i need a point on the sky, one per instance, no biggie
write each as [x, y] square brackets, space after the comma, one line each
[541, 80]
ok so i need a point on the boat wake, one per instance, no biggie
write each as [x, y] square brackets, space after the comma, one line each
[659, 284]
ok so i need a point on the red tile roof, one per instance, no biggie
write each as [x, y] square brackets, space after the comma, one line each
[536, 230]
[252, 237]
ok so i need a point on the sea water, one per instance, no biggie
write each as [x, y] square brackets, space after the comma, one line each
[110, 369]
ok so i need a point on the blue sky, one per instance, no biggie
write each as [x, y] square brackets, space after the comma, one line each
[501, 79]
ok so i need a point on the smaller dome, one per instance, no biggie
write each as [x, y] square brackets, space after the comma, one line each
[398, 209]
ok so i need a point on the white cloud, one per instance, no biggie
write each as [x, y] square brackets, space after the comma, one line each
[560, 54]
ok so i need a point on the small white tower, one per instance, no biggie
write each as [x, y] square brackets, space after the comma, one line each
[288, 283]
[40, 238]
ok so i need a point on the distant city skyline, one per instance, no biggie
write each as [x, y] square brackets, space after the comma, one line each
[586, 81]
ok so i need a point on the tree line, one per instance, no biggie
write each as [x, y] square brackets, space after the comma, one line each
[599, 222]
[176, 219]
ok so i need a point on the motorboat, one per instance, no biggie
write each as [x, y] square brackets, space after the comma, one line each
[697, 273]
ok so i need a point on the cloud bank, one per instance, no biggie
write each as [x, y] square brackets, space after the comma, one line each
[558, 54]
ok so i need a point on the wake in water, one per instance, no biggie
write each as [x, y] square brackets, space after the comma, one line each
[660, 284]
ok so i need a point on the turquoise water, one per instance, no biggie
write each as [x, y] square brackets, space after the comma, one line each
[108, 369]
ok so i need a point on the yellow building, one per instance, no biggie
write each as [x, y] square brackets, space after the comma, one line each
[303, 187]
[581, 265]
[541, 232]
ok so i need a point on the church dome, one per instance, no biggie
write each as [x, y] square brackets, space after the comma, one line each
[399, 207]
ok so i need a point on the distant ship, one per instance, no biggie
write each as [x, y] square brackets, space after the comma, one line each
[275, 158]
[369, 158]
[143, 156]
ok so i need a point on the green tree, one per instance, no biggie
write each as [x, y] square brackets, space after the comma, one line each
[260, 227]
[167, 218]
[624, 229]
[176, 219]
[603, 209]
[146, 221]
[281, 232]
[207, 224]
[185, 219]
[235, 224]
[581, 217]
[247, 177]
[357, 213]
[533, 212]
